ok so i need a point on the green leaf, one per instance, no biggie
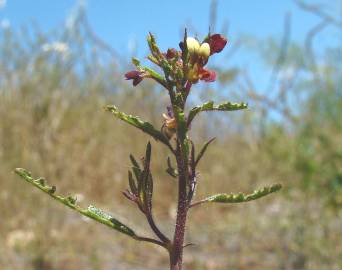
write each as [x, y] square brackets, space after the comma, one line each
[132, 184]
[156, 76]
[240, 197]
[170, 169]
[209, 106]
[142, 125]
[136, 62]
[146, 179]
[91, 212]
[154, 47]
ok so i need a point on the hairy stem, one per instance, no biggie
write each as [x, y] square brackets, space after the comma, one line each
[176, 254]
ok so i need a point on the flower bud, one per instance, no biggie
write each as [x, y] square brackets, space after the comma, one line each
[192, 74]
[204, 50]
[193, 45]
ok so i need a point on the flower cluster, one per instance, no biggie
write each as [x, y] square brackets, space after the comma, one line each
[184, 65]
[182, 68]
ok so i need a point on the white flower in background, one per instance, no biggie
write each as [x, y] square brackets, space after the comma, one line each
[288, 73]
[19, 238]
[59, 47]
[3, 3]
[5, 23]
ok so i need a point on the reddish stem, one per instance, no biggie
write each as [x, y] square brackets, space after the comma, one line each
[176, 253]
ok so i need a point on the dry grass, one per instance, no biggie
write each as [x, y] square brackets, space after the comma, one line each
[71, 141]
[52, 122]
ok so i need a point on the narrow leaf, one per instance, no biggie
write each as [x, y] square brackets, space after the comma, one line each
[136, 62]
[146, 178]
[170, 169]
[134, 161]
[209, 106]
[132, 183]
[240, 197]
[136, 122]
[91, 212]
[156, 76]
[204, 148]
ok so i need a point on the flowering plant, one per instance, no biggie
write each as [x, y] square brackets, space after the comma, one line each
[181, 69]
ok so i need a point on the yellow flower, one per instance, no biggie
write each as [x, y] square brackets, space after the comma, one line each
[192, 45]
[204, 50]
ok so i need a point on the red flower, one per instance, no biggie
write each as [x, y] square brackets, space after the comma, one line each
[216, 42]
[207, 75]
[136, 76]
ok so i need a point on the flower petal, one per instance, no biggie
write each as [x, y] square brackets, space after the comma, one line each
[216, 42]
[132, 74]
[135, 75]
[207, 75]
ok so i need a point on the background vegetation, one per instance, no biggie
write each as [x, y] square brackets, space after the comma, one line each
[52, 121]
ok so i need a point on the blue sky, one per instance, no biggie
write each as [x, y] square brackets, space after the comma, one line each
[119, 22]
[125, 23]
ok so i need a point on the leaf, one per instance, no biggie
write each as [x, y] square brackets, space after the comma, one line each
[142, 125]
[156, 76]
[170, 169]
[132, 183]
[204, 148]
[240, 197]
[136, 62]
[134, 161]
[91, 212]
[146, 179]
[209, 106]
[154, 47]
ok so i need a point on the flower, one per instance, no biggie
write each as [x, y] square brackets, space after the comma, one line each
[216, 42]
[170, 120]
[204, 50]
[192, 44]
[197, 72]
[135, 75]
[199, 55]
[170, 123]
[207, 75]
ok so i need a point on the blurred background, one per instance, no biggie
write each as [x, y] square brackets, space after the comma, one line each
[62, 61]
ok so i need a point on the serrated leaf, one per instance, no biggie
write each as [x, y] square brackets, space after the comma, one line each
[107, 219]
[209, 106]
[91, 212]
[140, 124]
[240, 197]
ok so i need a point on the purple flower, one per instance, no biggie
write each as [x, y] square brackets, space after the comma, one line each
[136, 76]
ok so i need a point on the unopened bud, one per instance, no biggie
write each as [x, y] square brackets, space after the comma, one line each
[193, 45]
